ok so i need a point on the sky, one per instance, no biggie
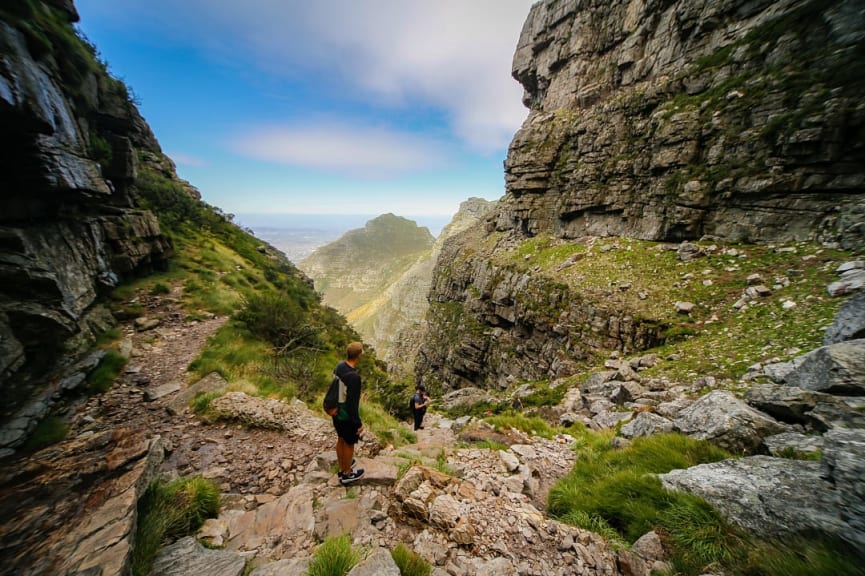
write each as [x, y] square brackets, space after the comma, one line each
[323, 106]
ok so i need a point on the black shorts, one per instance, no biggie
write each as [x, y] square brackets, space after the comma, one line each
[347, 430]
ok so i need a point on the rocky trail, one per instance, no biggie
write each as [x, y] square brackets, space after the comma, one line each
[73, 504]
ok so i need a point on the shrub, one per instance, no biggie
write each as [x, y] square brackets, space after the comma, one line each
[279, 319]
[170, 510]
[409, 563]
[335, 557]
[160, 288]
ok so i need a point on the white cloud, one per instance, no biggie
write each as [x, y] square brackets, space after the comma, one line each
[454, 55]
[369, 152]
[184, 159]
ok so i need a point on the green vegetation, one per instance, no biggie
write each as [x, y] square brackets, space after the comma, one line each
[529, 424]
[793, 454]
[802, 557]
[50, 430]
[715, 339]
[620, 486]
[106, 372]
[168, 511]
[409, 563]
[385, 426]
[334, 557]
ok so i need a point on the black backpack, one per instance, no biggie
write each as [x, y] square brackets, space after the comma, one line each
[331, 399]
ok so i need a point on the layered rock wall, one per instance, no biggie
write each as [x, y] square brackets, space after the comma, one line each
[738, 120]
[672, 120]
[69, 226]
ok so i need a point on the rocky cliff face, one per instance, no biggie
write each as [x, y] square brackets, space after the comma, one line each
[735, 121]
[673, 120]
[69, 225]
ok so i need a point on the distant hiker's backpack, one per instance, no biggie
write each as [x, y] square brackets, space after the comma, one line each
[334, 401]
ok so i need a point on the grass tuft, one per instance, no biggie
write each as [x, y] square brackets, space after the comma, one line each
[50, 430]
[529, 424]
[170, 510]
[409, 562]
[334, 557]
[106, 372]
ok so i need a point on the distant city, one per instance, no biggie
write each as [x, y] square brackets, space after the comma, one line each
[297, 235]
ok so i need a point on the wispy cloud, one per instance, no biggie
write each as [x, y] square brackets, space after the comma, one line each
[454, 55]
[188, 160]
[357, 151]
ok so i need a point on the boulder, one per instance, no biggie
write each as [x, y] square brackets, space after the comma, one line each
[849, 323]
[774, 497]
[287, 567]
[378, 563]
[799, 443]
[835, 369]
[186, 556]
[725, 420]
[646, 424]
[844, 466]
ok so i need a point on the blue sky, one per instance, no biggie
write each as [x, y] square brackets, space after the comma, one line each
[324, 106]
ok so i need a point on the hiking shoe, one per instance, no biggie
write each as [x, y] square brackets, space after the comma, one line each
[350, 477]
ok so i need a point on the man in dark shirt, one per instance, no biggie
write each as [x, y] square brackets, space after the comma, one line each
[347, 423]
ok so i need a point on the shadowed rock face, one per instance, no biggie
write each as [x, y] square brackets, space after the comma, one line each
[69, 228]
[673, 120]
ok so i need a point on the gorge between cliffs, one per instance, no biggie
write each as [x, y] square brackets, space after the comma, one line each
[647, 357]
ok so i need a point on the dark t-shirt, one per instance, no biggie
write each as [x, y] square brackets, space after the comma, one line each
[351, 377]
[417, 399]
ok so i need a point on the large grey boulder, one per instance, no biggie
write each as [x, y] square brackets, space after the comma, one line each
[186, 556]
[646, 424]
[814, 410]
[835, 369]
[849, 323]
[764, 495]
[728, 422]
[844, 466]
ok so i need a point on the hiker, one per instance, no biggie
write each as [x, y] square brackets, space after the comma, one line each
[347, 423]
[419, 402]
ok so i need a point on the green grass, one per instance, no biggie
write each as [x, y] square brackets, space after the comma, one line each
[619, 489]
[334, 557]
[792, 453]
[802, 557]
[409, 563]
[168, 511]
[201, 402]
[106, 372]
[50, 430]
[616, 493]
[715, 339]
[532, 425]
[385, 426]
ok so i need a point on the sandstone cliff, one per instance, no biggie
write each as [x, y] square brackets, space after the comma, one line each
[673, 120]
[731, 121]
[70, 226]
